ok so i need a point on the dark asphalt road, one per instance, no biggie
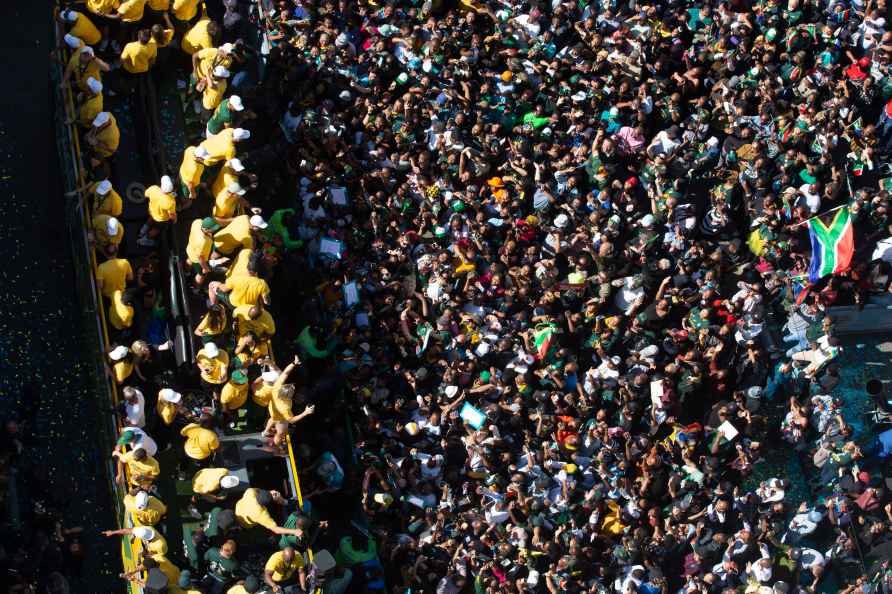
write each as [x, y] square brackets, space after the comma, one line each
[40, 320]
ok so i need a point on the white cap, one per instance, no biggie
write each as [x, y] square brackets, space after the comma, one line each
[241, 134]
[88, 50]
[142, 500]
[112, 226]
[270, 376]
[101, 118]
[647, 221]
[171, 396]
[103, 187]
[235, 188]
[227, 48]
[235, 165]
[221, 72]
[615, 360]
[345, 95]
[211, 350]
[451, 391]
[166, 184]
[257, 221]
[143, 533]
[229, 481]
[201, 152]
[235, 102]
[94, 85]
[118, 353]
[72, 41]
[69, 15]
[561, 221]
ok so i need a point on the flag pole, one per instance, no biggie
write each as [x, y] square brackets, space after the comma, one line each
[816, 216]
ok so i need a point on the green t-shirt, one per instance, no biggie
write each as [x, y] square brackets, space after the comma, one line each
[222, 116]
[220, 567]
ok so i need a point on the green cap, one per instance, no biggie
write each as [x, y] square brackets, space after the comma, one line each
[485, 376]
[440, 231]
[402, 78]
[771, 34]
[458, 205]
[210, 224]
[239, 377]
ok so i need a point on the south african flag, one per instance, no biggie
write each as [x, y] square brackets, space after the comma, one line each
[832, 245]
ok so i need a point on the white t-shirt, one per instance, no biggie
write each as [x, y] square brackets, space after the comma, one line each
[136, 413]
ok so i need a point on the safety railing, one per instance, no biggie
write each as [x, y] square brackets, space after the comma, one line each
[84, 253]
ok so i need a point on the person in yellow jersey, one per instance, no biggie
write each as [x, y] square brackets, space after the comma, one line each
[201, 439]
[264, 386]
[284, 568]
[231, 202]
[241, 289]
[213, 364]
[113, 275]
[81, 26]
[163, 35]
[120, 310]
[161, 6]
[185, 10]
[204, 62]
[130, 11]
[228, 173]
[82, 66]
[168, 405]
[142, 469]
[104, 136]
[152, 541]
[139, 55]
[202, 35]
[191, 169]
[221, 146]
[103, 7]
[144, 509]
[213, 92]
[105, 199]
[90, 103]
[239, 233]
[235, 393]
[162, 204]
[251, 510]
[213, 325]
[120, 361]
[280, 413]
[250, 585]
[254, 318]
[200, 247]
[107, 233]
[212, 485]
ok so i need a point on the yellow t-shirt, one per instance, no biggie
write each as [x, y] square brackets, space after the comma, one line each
[85, 30]
[250, 513]
[113, 273]
[159, 5]
[235, 235]
[170, 570]
[137, 57]
[109, 204]
[237, 589]
[102, 236]
[200, 245]
[145, 517]
[166, 410]
[108, 139]
[280, 408]
[205, 328]
[207, 480]
[156, 546]
[89, 109]
[247, 290]
[220, 146]
[122, 370]
[131, 11]
[226, 205]
[162, 206]
[102, 7]
[197, 38]
[200, 443]
[264, 326]
[80, 71]
[212, 96]
[147, 469]
[226, 176]
[185, 10]
[239, 265]
[219, 366]
[190, 169]
[281, 569]
[120, 315]
[263, 394]
[233, 396]
[208, 59]
[166, 38]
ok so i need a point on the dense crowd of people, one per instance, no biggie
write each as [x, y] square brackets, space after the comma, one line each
[549, 256]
